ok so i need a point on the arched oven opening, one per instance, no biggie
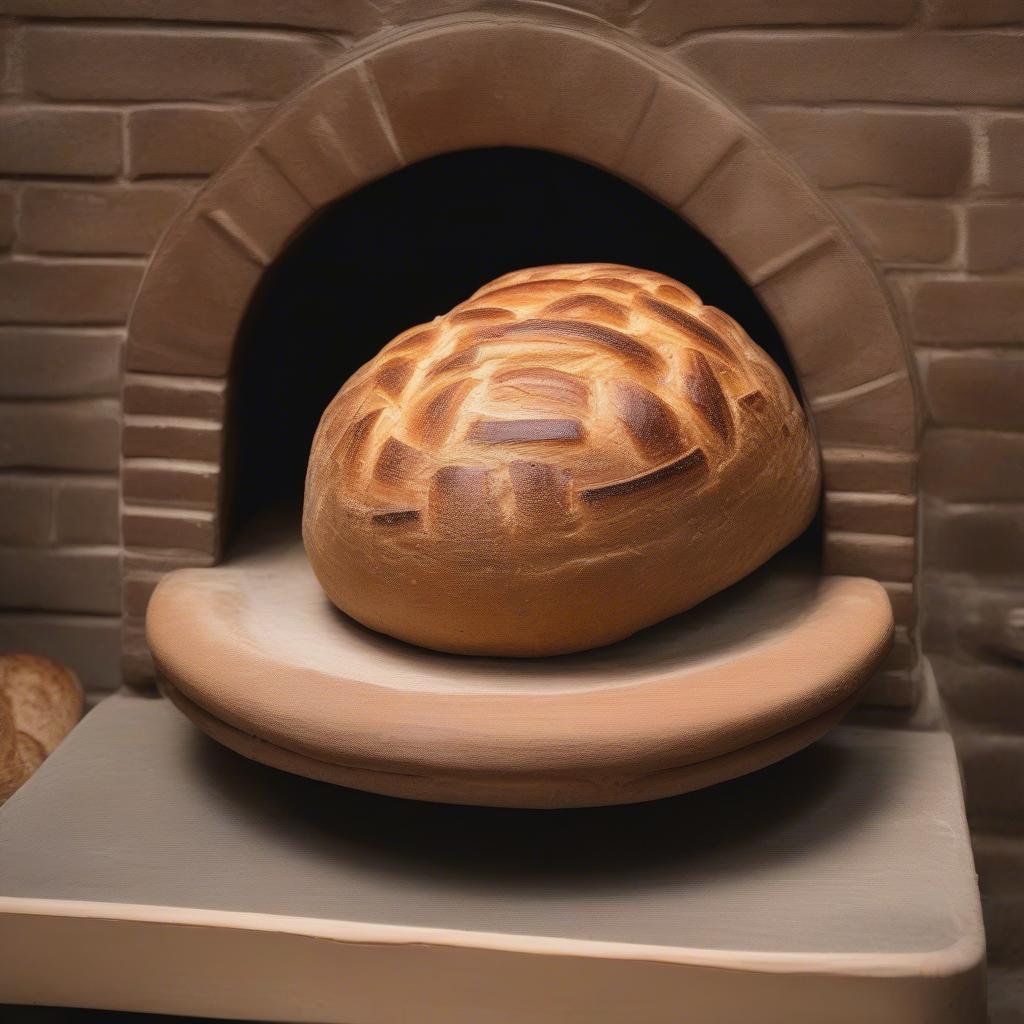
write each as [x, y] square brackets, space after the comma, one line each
[304, 256]
[410, 246]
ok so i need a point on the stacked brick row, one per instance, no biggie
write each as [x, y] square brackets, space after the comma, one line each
[107, 129]
[916, 135]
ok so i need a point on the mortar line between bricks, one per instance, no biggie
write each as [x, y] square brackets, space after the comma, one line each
[183, 31]
[162, 510]
[821, 402]
[930, 348]
[838, 193]
[990, 433]
[71, 254]
[11, 177]
[61, 617]
[85, 259]
[900, 265]
[170, 463]
[70, 181]
[137, 556]
[936, 108]
[211, 385]
[42, 475]
[894, 540]
[133, 105]
[969, 507]
[954, 274]
[125, 174]
[98, 402]
[199, 27]
[708, 173]
[872, 497]
[372, 86]
[867, 190]
[67, 549]
[53, 526]
[16, 194]
[936, 348]
[191, 558]
[794, 257]
[285, 172]
[630, 136]
[140, 419]
[65, 325]
[842, 31]
[238, 237]
[38, 609]
[794, 28]
[963, 580]
[115, 185]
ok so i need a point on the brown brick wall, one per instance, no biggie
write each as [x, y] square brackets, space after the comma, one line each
[906, 113]
[916, 135]
[109, 122]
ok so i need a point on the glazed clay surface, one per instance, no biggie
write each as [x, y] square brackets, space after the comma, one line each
[574, 453]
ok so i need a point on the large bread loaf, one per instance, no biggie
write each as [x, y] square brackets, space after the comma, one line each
[572, 454]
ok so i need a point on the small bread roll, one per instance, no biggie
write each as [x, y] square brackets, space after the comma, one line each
[44, 696]
[572, 454]
[13, 769]
[30, 751]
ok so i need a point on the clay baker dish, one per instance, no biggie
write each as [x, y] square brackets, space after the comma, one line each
[254, 653]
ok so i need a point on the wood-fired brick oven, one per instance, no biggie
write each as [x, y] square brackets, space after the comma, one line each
[526, 84]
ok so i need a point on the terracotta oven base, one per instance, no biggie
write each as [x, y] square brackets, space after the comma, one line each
[256, 656]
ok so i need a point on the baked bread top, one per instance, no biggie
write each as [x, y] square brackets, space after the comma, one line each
[560, 386]
[560, 413]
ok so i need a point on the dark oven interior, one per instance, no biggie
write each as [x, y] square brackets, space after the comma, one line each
[407, 248]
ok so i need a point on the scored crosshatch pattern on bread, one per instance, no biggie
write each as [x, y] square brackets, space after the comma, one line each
[582, 413]
[471, 409]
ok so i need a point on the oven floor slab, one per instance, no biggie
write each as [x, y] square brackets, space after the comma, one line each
[146, 868]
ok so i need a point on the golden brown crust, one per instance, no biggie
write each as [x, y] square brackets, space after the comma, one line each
[493, 482]
[40, 702]
[13, 769]
[45, 697]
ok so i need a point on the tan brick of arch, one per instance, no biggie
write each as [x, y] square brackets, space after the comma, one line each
[477, 82]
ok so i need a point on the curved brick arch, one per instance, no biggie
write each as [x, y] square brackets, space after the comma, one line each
[472, 83]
